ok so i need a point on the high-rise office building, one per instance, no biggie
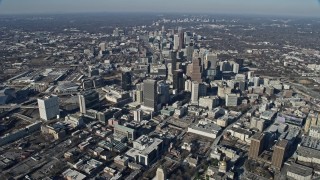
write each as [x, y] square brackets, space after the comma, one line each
[210, 61]
[178, 81]
[49, 107]
[187, 37]
[210, 65]
[87, 99]
[82, 103]
[257, 145]
[190, 50]
[137, 115]
[150, 97]
[250, 74]
[139, 87]
[225, 66]
[256, 81]
[176, 41]
[126, 81]
[170, 71]
[203, 89]
[181, 38]
[173, 56]
[139, 96]
[163, 92]
[194, 70]
[195, 92]
[161, 173]
[188, 85]
[279, 153]
[235, 68]
[241, 85]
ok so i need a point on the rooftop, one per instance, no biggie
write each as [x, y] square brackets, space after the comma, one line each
[300, 170]
[258, 136]
[209, 128]
[282, 143]
[308, 152]
[73, 174]
[241, 130]
[310, 142]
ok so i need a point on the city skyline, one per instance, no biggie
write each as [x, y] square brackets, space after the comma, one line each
[254, 7]
[158, 95]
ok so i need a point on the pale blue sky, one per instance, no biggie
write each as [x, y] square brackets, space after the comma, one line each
[270, 7]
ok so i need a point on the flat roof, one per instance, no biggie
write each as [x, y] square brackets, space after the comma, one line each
[310, 142]
[124, 128]
[300, 170]
[209, 128]
[282, 143]
[308, 152]
[258, 136]
[241, 130]
[75, 175]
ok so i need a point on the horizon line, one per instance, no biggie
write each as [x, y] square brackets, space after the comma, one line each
[160, 13]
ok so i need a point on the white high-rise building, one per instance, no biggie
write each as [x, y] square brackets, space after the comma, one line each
[176, 41]
[210, 61]
[240, 77]
[250, 74]
[82, 104]
[49, 107]
[235, 68]
[139, 96]
[256, 81]
[195, 92]
[137, 115]
[188, 85]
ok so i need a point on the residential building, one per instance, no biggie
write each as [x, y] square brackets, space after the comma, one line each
[279, 153]
[257, 145]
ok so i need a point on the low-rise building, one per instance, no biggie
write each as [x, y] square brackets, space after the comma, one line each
[121, 160]
[74, 120]
[314, 131]
[145, 150]
[57, 130]
[240, 133]
[268, 115]
[209, 130]
[116, 95]
[256, 123]
[223, 121]
[71, 174]
[231, 100]
[296, 171]
[308, 155]
[126, 131]
[209, 102]
[180, 111]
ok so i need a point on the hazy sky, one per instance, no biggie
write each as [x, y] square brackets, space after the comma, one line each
[271, 7]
